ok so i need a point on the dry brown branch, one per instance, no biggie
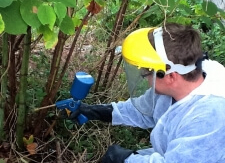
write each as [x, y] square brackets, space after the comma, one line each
[128, 29]
[58, 151]
[50, 129]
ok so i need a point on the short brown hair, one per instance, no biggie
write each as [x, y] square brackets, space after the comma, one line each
[183, 46]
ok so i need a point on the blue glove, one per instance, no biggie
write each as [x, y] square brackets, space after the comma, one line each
[116, 154]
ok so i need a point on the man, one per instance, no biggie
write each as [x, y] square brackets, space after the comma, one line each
[185, 104]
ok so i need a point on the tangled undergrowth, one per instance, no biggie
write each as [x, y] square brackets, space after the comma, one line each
[72, 143]
[62, 141]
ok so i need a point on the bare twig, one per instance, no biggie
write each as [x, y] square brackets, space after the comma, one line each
[82, 156]
[50, 129]
[44, 107]
[58, 151]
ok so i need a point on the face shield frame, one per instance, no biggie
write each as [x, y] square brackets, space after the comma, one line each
[136, 50]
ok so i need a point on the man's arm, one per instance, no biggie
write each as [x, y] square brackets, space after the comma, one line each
[199, 138]
[125, 113]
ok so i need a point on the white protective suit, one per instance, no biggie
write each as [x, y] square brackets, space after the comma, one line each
[191, 130]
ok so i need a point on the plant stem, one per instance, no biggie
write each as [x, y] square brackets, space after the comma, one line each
[5, 59]
[56, 61]
[12, 89]
[22, 90]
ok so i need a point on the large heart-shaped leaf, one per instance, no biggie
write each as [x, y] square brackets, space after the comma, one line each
[46, 15]
[5, 3]
[60, 10]
[28, 10]
[50, 36]
[209, 7]
[14, 24]
[67, 26]
[68, 3]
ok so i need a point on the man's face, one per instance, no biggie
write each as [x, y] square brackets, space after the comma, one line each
[160, 84]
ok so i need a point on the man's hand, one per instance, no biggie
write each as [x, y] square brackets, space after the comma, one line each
[116, 154]
[93, 112]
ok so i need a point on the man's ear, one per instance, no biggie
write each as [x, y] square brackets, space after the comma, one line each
[172, 78]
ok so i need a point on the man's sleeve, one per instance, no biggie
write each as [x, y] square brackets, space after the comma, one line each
[125, 113]
[199, 139]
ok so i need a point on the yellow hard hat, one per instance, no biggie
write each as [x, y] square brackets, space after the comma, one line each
[138, 51]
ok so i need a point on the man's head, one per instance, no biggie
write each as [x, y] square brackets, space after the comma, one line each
[170, 52]
[183, 46]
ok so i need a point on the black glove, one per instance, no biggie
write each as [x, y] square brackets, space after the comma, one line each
[93, 112]
[116, 154]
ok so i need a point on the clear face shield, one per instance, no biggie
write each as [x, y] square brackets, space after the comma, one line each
[139, 81]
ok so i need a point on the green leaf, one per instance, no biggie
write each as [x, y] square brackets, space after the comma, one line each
[46, 15]
[2, 161]
[148, 2]
[67, 26]
[2, 24]
[185, 8]
[222, 13]
[184, 2]
[29, 140]
[166, 4]
[143, 22]
[207, 21]
[198, 9]
[171, 5]
[161, 2]
[71, 126]
[209, 8]
[100, 2]
[14, 24]
[60, 10]
[50, 39]
[68, 3]
[220, 24]
[180, 20]
[5, 3]
[76, 21]
[86, 2]
[28, 10]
